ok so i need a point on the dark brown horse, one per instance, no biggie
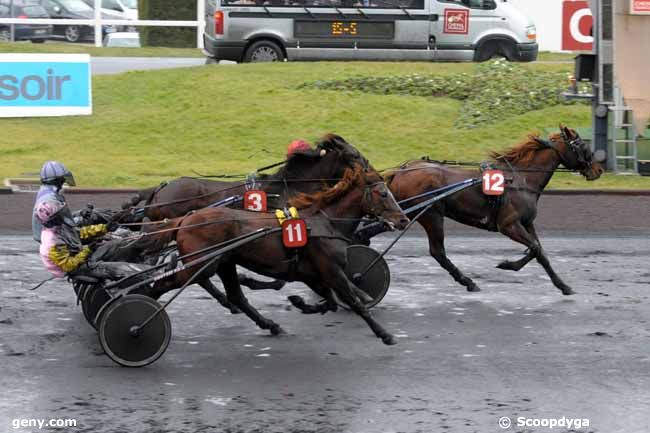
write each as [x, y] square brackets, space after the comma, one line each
[530, 166]
[305, 171]
[332, 216]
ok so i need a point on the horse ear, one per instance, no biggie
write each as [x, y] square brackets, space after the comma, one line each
[566, 131]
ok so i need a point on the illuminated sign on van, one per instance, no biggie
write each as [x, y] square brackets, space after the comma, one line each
[45, 85]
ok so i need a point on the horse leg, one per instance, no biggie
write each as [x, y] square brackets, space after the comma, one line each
[228, 274]
[254, 284]
[517, 265]
[518, 233]
[530, 255]
[344, 288]
[433, 224]
[328, 304]
[218, 295]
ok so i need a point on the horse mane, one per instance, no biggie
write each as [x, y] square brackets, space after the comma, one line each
[351, 178]
[522, 154]
[389, 176]
[296, 164]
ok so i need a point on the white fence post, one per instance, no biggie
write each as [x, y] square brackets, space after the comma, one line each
[98, 23]
[200, 18]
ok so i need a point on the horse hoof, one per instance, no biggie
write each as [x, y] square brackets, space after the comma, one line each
[235, 310]
[389, 340]
[297, 302]
[277, 330]
[473, 288]
[505, 265]
[567, 291]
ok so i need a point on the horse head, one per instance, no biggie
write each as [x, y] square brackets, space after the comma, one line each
[378, 201]
[346, 151]
[328, 161]
[576, 154]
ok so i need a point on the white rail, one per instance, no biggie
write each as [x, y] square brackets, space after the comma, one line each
[98, 22]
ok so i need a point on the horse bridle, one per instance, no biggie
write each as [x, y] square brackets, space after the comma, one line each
[367, 198]
[581, 155]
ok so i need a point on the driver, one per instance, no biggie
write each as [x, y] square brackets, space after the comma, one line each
[53, 176]
[64, 247]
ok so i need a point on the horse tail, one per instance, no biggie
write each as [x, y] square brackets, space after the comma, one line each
[145, 195]
[254, 284]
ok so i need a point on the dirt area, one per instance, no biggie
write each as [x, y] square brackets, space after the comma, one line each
[593, 213]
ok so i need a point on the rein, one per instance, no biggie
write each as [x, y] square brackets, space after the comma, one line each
[242, 185]
[243, 176]
[473, 165]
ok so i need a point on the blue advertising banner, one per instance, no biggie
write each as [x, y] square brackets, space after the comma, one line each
[45, 85]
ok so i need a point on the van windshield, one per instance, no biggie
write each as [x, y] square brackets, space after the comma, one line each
[130, 4]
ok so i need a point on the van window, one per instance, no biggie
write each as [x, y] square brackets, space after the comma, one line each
[112, 5]
[473, 4]
[372, 4]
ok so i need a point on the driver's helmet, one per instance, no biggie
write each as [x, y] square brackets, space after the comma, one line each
[297, 146]
[47, 211]
[55, 173]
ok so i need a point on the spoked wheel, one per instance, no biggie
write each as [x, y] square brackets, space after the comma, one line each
[124, 341]
[72, 33]
[375, 282]
[92, 303]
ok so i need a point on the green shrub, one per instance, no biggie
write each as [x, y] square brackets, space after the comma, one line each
[495, 91]
[179, 37]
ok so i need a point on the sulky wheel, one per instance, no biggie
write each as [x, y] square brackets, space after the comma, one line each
[122, 339]
[93, 301]
[375, 282]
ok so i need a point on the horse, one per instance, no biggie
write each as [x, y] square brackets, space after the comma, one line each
[332, 216]
[530, 165]
[304, 171]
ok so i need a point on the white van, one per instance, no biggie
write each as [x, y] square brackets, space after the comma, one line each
[434, 30]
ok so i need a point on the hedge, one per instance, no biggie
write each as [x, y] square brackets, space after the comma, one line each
[181, 37]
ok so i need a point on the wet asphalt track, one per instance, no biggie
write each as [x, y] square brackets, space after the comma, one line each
[518, 348]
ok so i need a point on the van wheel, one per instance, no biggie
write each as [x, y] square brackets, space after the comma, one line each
[38, 41]
[486, 51]
[72, 33]
[263, 51]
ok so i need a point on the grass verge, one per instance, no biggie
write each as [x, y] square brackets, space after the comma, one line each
[66, 48]
[155, 125]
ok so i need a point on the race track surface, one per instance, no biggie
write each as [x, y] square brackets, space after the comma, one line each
[463, 360]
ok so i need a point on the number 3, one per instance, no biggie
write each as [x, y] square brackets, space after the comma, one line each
[255, 200]
[493, 182]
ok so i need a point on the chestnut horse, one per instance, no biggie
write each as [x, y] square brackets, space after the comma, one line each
[332, 216]
[530, 165]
